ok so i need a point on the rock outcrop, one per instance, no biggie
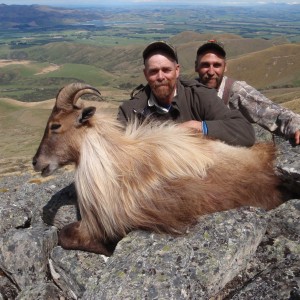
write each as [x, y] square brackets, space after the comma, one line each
[246, 253]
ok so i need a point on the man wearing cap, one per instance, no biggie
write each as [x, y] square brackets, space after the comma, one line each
[210, 64]
[165, 97]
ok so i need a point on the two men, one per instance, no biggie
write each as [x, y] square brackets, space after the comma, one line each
[182, 103]
[211, 65]
[190, 103]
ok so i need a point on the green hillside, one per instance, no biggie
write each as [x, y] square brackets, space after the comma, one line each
[263, 63]
[277, 66]
[22, 127]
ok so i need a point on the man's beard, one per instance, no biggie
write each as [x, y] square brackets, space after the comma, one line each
[163, 90]
[212, 82]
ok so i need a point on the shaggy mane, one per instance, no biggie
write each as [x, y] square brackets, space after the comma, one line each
[161, 177]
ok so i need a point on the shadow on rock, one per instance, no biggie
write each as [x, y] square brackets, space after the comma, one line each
[62, 209]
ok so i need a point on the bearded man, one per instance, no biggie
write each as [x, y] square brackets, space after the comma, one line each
[211, 65]
[190, 103]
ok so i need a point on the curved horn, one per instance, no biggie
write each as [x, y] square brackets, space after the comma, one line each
[68, 95]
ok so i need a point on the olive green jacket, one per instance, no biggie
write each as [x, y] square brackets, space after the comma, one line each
[194, 101]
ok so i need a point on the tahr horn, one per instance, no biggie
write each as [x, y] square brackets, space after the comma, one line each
[68, 95]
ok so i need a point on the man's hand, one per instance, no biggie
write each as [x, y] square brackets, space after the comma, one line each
[197, 126]
[297, 137]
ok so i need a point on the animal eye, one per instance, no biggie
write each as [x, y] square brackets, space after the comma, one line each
[54, 126]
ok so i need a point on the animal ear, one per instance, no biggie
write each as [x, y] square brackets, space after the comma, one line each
[86, 114]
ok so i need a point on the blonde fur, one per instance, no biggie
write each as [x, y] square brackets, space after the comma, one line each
[161, 177]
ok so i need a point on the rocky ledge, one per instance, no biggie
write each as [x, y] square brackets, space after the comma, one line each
[246, 253]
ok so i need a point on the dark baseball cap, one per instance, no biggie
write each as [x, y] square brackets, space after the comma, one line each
[212, 45]
[160, 46]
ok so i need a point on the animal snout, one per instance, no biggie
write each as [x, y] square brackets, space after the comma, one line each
[34, 161]
[37, 166]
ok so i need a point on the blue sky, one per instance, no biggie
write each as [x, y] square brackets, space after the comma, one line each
[116, 2]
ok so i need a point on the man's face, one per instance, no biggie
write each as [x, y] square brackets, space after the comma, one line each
[161, 72]
[211, 67]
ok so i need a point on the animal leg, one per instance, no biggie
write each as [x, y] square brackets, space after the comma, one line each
[75, 237]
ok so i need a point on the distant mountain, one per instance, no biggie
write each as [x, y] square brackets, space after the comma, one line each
[256, 20]
[104, 46]
[36, 16]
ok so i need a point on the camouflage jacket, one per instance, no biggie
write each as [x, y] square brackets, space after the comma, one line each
[257, 108]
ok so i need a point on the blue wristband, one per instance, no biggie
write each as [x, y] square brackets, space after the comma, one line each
[204, 128]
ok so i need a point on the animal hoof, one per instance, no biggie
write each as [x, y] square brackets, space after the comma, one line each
[73, 237]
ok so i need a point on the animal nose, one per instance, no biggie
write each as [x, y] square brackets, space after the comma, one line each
[34, 161]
